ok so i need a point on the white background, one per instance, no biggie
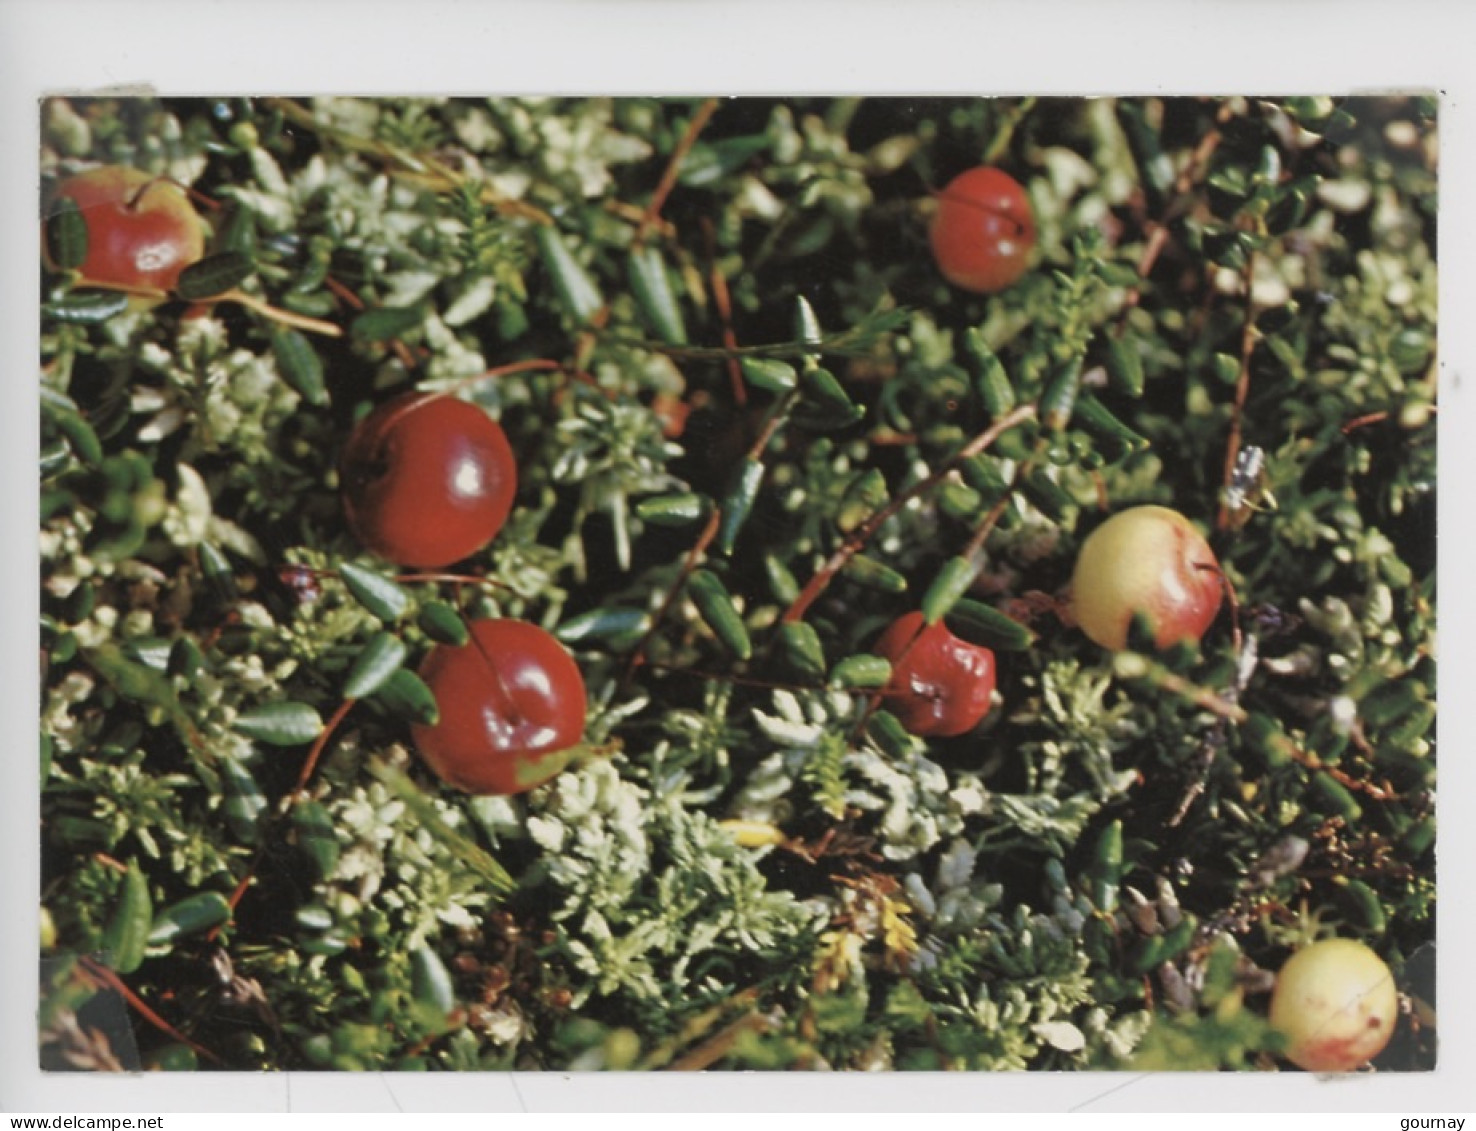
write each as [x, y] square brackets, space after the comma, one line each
[699, 47]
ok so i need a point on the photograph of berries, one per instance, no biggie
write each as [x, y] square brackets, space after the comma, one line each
[778, 584]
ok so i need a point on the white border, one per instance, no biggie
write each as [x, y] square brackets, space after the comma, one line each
[734, 47]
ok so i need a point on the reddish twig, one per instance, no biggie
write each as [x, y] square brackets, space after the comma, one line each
[673, 167]
[96, 973]
[864, 533]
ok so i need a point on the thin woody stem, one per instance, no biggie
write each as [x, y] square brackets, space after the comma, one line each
[673, 167]
[864, 533]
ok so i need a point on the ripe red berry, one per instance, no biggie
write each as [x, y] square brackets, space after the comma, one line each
[942, 686]
[512, 706]
[142, 230]
[1151, 562]
[983, 231]
[427, 480]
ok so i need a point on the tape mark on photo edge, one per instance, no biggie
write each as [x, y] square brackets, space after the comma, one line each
[1110, 1091]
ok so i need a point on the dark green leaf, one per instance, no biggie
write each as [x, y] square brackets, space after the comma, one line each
[66, 235]
[214, 275]
[86, 308]
[951, 583]
[386, 323]
[189, 917]
[578, 294]
[430, 981]
[244, 801]
[612, 625]
[315, 836]
[977, 623]
[377, 593]
[373, 666]
[742, 491]
[651, 286]
[802, 649]
[406, 696]
[861, 671]
[873, 574]
[769, 374]
[283, 723]
[300, 365]
[442, 623]
[1125, 365]
[127, 935]
[672, 510]
[718, 612]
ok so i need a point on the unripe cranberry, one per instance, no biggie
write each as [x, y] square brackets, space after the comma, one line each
[427, 480]
[1336, 1004]
[983, 231]
[512, 705]
[942, 686]
[142, 230]
[1147, 561]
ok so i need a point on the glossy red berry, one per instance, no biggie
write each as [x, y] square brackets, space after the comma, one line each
[427, 480]
[142, 230]
[512, 707]
[941, 686]
[983, 231]
[1149, 562]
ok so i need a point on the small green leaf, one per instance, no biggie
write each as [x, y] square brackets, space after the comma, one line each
[214, 275]
[1095, 419]
[889, 733]
[127, 935]
[283, 723]
[861, 671]
[185, 658]
[651, 286]
[300, 365]
[1052, 499]
[825, 406]
[216, 568]
[990, 378]
[769, 374]
[66, 235]
[873, 574]
[386, 323]
[951, 583]
[1106, 868]
[406, 696]
[802, 649]
[1334, 800]
[315, 836]
[977, 623]
[244, 801]
[430, 981]
[1368, 913]
[189, 917]
[1227, 368]
[866, 495]
[806, 325]
[782, 583]
[737, 503]
[611, 625]
[578, 294]
[377, 593]
[379, 660]
[87, 308]
[709, 162]
[80, 436]
[718, 612]
[1125, 365]
[1058, 401]
[673, 510]
[442, 623]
